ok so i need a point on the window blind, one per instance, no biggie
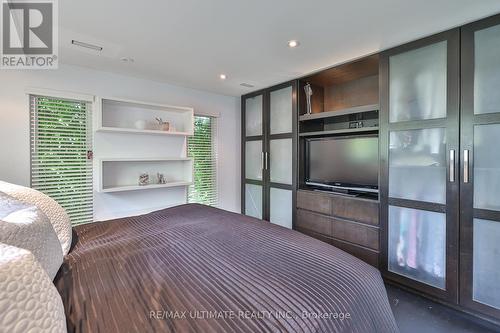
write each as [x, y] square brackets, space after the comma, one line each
[202, 147]
[61, 149]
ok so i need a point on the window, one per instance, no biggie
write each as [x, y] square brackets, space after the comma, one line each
[61, 149]
[202, 148]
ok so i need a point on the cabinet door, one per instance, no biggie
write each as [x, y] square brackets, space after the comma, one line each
[480, 171]
[419, 147]
[282, 155]
[253, 136]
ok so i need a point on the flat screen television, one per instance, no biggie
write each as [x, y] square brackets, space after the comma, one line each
[346, 163]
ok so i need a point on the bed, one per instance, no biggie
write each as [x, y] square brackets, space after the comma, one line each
[194, 268]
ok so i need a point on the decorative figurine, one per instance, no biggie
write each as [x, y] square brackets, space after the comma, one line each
[144, 179]
[163, 125]
[308, 90]
[161, 178]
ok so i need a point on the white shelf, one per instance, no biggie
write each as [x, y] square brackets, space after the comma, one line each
[122, 174]
[136, 131]
[135, 117]
[144, 187]
[147, 159]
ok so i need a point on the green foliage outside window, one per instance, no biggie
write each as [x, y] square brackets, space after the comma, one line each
[202, 148]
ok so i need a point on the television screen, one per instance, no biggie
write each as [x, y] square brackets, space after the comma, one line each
[343, 161]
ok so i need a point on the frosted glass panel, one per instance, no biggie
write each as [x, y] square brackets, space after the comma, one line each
[486, 266]
[417, 84]
[487, 70]
[253, 200]
[487, 167]
[253, 160]
[281, 207]
[281, 161]
[417, 245]
[281, 111]
[417, 165]
[253, 115]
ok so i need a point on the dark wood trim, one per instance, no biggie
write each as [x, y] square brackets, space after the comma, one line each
[253, 138]
[253, 182]
[421, 205]
[281, 136]
[485, 214]
[451, 124]
[244, 139]
[468, 213]
[281, 186]
[418, 124]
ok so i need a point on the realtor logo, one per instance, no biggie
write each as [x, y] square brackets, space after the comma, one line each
[29, 34]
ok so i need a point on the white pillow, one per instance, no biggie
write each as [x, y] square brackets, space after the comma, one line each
[56, 214]
[29, 301]
[28, 228]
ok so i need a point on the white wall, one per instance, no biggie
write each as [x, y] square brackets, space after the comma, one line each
[14, 125]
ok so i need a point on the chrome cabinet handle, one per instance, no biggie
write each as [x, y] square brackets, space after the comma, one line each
[452, 165]
[466, 166]
[267, 161]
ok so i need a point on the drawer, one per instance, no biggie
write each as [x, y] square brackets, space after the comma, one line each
[313, 201]
[368, 256]
[355, 209]
[355, 233]
[314, 222]
[320, 237]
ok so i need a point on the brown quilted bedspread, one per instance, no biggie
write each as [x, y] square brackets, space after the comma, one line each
[194, 268]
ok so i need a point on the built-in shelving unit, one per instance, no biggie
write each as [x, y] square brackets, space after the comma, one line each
[344, 100]
[135, 117]
[122, 174]
[122, 156]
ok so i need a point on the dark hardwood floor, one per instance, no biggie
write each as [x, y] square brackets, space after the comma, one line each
[417, 314]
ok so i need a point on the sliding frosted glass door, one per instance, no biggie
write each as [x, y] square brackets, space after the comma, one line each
[480, 172]
[281, 155]
[419, 138]
[253, 154]
[269, 151]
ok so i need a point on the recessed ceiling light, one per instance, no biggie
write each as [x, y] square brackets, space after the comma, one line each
[223, 76]
[127, 59]
[86, 45]
[247, 85]
[293, 43]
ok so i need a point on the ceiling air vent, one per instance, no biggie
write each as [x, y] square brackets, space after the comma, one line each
[86, 45]
[247, 85]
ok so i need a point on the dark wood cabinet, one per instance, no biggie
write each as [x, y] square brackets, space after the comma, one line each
[480, 167]
[435, 106]
[440, 167]
[348, 223]
[419, 108]
[269, 154]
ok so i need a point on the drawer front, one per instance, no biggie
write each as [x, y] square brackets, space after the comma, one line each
[365, 211]
[314, 222]
[356, 233]
[315, 202]
[370, 257]
[320, 237]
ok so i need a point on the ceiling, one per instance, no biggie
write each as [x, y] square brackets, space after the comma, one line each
[191, 42]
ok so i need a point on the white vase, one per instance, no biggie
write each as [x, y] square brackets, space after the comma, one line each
[140, 124]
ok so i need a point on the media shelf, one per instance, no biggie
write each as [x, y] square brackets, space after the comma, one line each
[340, 131]
[341, 112]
